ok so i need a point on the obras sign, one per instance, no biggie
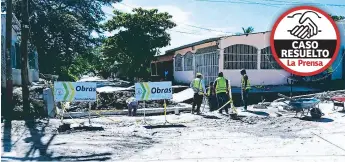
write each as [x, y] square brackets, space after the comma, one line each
[153, 91]
[74, 91]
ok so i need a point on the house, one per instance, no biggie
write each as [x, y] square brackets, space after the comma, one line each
[160, 65]
[15, 54]
[184, 60]
[229, 54]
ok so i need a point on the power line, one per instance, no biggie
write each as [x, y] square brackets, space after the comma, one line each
[282, 2]
[208, 29]
[276, 4]
[198, 27]
[184, 32]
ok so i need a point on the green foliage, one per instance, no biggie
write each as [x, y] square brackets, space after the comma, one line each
[139, 36]
[337, 18]
[248, 30]
[61, 31]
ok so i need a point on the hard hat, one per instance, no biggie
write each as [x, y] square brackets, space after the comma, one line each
[198, 74]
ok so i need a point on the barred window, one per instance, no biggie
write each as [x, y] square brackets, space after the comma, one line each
[188, 61]
[240, 56]
[267, 59]
[178, 62]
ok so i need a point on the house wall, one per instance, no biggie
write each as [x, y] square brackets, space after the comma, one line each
[16, 72]
[257, 76]
[188, 76]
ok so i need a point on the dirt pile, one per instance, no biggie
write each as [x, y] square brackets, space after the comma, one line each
[35, 98]
[117, 100]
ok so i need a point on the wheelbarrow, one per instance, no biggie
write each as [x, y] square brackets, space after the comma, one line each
[311, 105]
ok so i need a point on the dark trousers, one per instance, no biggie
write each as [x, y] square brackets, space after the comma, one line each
[223, 98]
[212, 102]
[130, 108]
[245, 94]
[197, 100]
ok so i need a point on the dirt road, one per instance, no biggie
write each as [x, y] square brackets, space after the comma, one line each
[257, 136]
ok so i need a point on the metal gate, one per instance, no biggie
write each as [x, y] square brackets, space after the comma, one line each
[208, 65]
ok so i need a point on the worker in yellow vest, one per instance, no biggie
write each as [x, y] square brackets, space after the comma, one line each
[245, 87]
[222, 92]
[212, 99]
[199, 89]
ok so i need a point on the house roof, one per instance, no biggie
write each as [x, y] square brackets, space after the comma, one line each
[193, 44]
[204, 41]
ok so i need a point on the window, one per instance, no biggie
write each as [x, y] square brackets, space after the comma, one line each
[188, 61]
[153, 69]
[267, 59]
[240, 56]
[178, 62]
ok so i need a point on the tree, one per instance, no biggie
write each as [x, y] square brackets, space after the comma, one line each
[139, 37]
[61, 31]
[337, 18]
[248, 30]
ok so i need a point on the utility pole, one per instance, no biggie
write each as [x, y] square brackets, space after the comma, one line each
[9, 84]
[24, 55]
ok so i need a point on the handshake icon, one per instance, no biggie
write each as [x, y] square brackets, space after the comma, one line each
[306, 27]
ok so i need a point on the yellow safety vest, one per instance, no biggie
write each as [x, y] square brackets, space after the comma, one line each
[243, 83]
[221, 85]
[197, 85]
[209, 91]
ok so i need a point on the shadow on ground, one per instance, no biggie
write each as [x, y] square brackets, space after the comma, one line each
[261, 113]
[7, 142]
[322, 120]
[210, 117]
[93, 157]
[165, 126]
[37, 132]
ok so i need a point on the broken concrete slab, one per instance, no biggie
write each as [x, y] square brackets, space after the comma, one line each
[183, 95]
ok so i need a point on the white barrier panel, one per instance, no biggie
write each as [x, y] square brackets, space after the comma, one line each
[75, 91]
[153, 91]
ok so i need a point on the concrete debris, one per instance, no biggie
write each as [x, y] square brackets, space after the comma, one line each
[35, 98]
[183, 95]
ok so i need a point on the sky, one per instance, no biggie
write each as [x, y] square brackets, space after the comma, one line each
[201, 19]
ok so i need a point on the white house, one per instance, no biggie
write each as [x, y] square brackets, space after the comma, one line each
[231, 53]
[15, 54]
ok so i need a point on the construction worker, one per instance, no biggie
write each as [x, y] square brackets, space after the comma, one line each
[222, 92]
[198, 87]
[212, 99]
[245, 87]
[132, 104]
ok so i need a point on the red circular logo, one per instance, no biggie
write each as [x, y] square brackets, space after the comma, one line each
[305, 41]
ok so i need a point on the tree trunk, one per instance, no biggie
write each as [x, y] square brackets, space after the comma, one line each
[24, 54]
[9, 84]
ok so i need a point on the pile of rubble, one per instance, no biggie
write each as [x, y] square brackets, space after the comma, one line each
[35, 98]
[117, 100]
[112, 94]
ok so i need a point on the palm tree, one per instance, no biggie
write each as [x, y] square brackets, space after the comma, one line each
[337, 18]
[248, 30]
